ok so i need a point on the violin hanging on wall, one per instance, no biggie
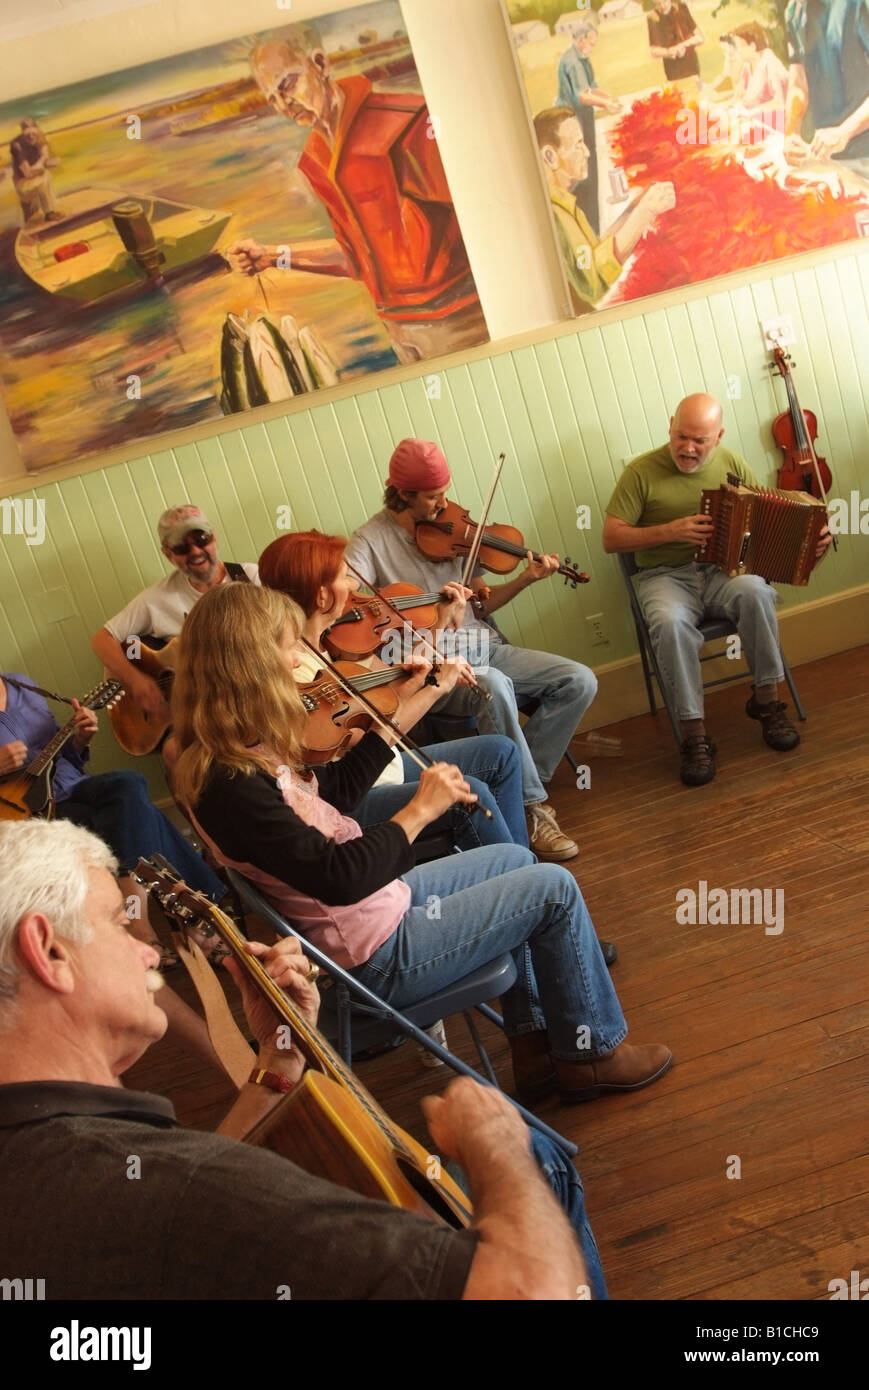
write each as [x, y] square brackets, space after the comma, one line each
[795, 431]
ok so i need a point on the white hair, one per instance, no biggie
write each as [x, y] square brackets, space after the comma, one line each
[44, 868]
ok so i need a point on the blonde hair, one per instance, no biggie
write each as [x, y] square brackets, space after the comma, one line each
[232, 690]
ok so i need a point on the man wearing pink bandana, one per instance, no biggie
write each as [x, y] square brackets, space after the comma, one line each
[384, 551]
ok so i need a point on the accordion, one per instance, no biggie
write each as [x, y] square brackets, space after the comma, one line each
[761, 531]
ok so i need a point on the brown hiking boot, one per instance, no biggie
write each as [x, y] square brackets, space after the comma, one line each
[627, 1068]
[533, 1068]
[778, 731]
[698, 760]
[545, 837]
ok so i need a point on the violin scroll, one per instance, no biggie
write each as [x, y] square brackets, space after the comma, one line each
[572, 576]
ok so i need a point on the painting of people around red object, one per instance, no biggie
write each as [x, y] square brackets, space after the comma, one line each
[221, 229]
[680, 141]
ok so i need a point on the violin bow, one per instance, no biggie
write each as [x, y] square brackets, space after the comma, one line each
[481, 525]
[403, 741]
[431, 650]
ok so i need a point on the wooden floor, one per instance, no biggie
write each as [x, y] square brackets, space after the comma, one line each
[770, 1032]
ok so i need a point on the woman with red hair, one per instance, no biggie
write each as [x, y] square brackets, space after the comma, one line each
[310, 567]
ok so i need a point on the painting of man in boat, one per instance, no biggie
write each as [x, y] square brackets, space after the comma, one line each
[221, 229]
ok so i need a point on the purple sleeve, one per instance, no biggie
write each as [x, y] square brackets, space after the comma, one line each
[28, 718]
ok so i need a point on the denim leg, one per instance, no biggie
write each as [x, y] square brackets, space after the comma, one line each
[116, 806]
[566, 1184]
[490, 758]
[466, 911]
[749, 602]
[672, 604]
[565, 690]
[502, 710]
[469, 831]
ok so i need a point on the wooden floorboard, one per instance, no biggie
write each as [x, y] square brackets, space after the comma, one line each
[770, 1032]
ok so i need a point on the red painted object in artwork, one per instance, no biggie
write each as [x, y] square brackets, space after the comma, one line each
[724, 218]
[70, 249]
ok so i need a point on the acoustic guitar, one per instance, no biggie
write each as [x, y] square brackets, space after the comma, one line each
[328, 1124]
[137, 731]
[27, 792]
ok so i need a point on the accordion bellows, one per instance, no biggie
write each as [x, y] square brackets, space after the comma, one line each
[761, 531]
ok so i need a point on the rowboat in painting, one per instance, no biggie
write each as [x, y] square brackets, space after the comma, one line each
[108, 239]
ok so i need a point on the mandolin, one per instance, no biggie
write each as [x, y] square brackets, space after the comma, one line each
[328, 1124]
[137, 731]
[27, 792]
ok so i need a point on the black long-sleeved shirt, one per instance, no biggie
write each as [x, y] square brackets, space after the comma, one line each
[248, 820]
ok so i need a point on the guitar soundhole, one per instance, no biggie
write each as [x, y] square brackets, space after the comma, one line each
[430, 1193]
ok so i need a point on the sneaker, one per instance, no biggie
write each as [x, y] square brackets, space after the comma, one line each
[437, 1033]
[545, 838]
[698, 761]
[778, 731]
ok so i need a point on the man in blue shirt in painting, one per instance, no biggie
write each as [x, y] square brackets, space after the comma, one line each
[577, 89]
[828, 79]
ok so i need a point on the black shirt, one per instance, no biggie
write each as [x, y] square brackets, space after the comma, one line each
[247, 819]
[105, 1197]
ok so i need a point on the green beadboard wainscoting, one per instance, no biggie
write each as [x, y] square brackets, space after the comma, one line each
[568, 406]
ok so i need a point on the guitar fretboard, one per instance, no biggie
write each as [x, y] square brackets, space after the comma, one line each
[95, 699]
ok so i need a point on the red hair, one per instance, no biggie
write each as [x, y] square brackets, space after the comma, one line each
[300, 563]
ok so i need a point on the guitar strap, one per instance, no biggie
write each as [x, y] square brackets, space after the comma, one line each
[36, 690]
[234, 1053]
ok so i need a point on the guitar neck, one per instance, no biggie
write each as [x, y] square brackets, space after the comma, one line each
[101, 695]
[51, 750]
[316, 1050]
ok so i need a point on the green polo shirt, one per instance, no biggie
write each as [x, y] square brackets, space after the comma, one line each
[592, 265]
[652, 491]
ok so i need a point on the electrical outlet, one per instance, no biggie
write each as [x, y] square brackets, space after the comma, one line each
[597, 630]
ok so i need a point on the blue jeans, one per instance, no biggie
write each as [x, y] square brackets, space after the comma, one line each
[468, 909]
[566, 1183]
[565, 690]
[675, 600]
[116, 806]
[491, 766]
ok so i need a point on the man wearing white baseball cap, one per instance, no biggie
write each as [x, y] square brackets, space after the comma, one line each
[384, 551]
[189, 542]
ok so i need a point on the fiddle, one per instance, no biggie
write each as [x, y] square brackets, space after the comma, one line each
[500, 547]
[403, 741]
[795, 431]
[333, 714]
[367, 619]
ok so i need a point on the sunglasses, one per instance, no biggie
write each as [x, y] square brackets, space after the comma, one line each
[194, 540]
